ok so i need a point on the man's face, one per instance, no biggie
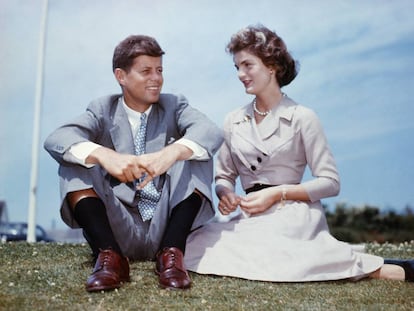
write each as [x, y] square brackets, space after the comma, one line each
[142, 84]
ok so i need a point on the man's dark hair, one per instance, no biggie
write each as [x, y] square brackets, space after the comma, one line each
[133, 46]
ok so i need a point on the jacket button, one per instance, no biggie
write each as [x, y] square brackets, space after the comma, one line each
[253, 167]
[259, 159]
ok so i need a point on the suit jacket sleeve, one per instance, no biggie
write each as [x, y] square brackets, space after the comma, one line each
[86, 127]
[197, 127]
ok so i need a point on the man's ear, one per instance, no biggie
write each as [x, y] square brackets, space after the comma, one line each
[120, 75]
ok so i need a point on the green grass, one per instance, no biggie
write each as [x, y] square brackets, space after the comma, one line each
[52, 276]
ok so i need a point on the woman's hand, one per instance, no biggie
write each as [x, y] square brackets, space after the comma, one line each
[259, 201]
[229, 201]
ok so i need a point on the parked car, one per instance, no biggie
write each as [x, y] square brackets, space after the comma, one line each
[17, 231]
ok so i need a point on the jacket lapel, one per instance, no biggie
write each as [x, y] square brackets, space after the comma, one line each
[121, 131]
[156, 130]
[271, 124]
[244, 126]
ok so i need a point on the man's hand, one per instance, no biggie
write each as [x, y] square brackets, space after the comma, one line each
[157, 163]
[124, 167]
[128, 168]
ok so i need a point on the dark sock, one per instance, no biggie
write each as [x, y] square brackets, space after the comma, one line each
[90, 213]
[180, 222]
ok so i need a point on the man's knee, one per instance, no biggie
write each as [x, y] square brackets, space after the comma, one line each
[75, 196]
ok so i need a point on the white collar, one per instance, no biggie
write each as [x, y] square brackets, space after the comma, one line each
[134, 117]
[132, 114]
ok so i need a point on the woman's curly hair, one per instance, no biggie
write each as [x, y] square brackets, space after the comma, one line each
[269, 47]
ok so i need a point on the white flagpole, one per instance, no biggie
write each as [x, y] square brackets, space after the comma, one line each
[31, 223]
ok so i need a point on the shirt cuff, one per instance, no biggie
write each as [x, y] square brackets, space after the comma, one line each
[199, 153]
[78, 153]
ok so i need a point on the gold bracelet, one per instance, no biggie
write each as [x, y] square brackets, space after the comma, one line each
[283, 197]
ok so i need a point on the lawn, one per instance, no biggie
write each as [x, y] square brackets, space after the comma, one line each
[51, 277]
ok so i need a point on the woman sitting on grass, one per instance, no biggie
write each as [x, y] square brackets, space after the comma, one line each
[282, 234]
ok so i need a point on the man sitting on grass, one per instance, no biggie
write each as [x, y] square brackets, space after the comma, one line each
[136, 171]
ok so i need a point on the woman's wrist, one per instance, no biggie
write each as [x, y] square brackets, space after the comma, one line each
[283, 195]
[222, 190]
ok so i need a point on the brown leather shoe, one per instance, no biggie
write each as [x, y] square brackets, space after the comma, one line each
[111, 269]
[170, 269]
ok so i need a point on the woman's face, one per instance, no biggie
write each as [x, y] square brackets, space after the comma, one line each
[255, 76]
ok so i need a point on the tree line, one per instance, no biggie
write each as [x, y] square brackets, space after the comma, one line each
[370, 224]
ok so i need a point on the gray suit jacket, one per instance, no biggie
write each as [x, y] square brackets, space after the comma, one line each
[105, 122]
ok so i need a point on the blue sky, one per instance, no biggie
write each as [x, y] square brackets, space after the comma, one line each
[357, 71]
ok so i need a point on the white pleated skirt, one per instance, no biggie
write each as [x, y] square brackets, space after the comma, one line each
[288, 244]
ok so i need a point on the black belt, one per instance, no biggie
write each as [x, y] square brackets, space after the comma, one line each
[257, 187]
